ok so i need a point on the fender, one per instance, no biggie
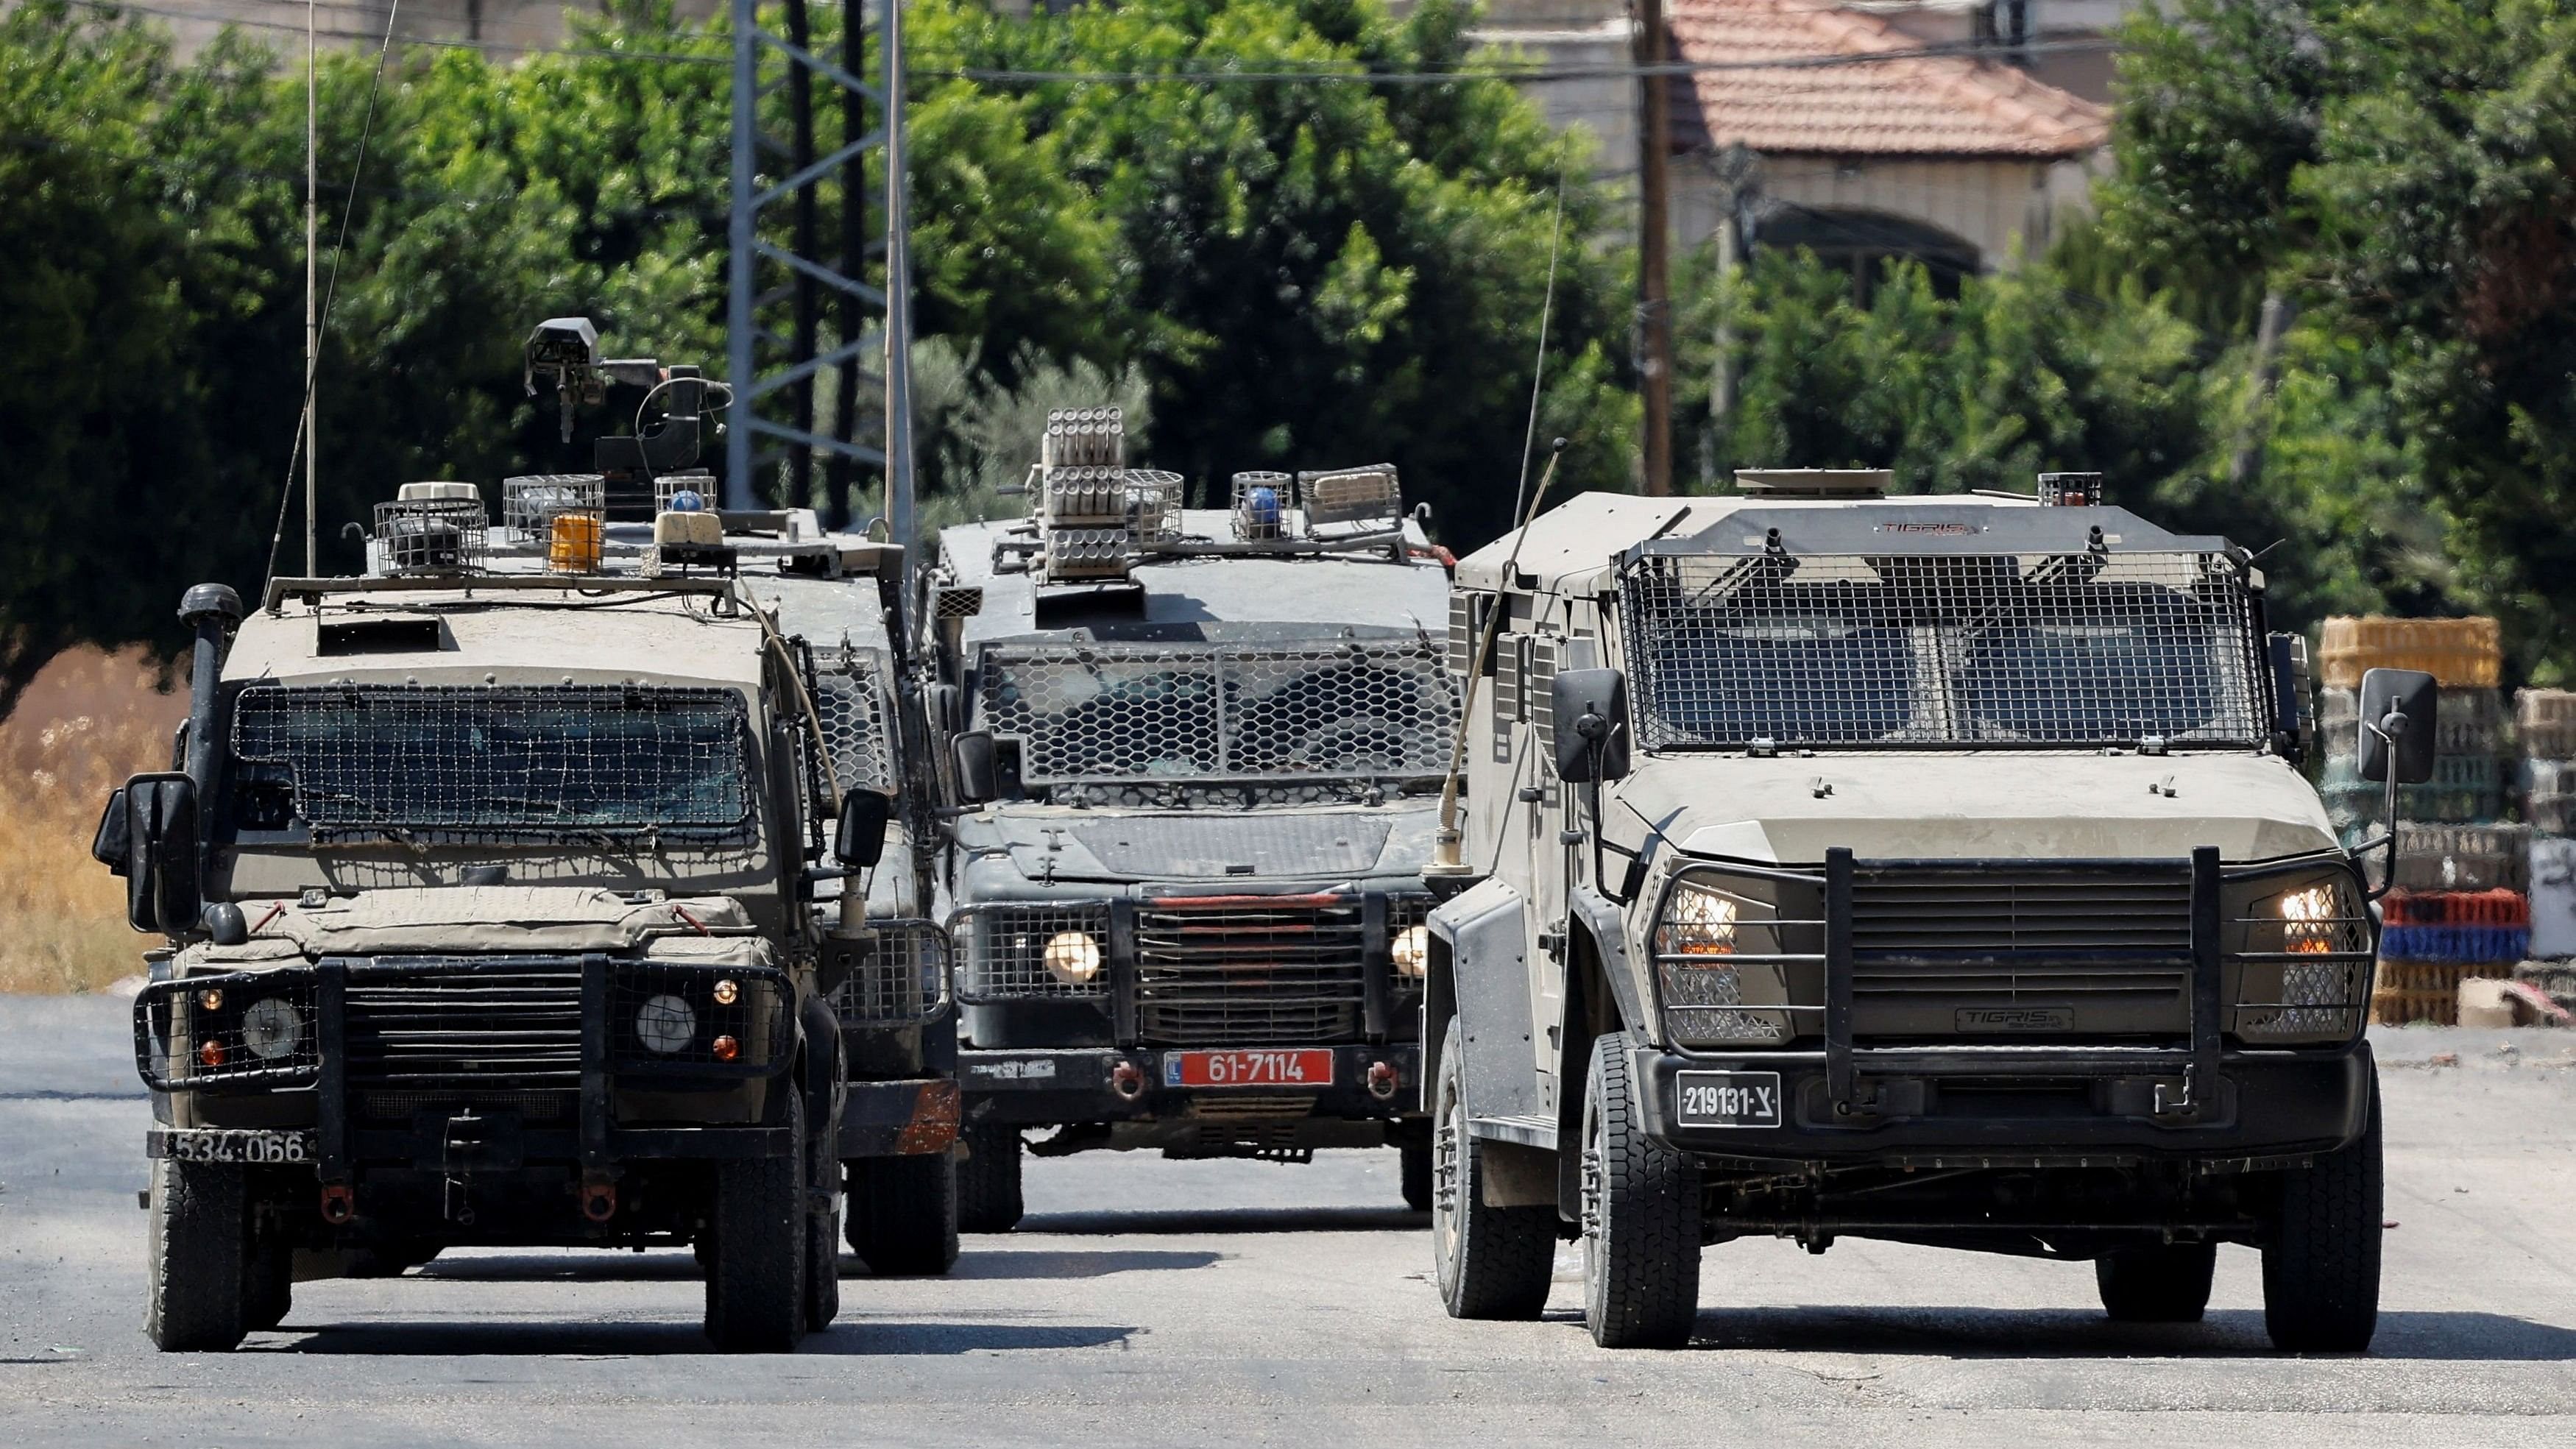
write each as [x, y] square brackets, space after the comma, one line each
[1598, 947]
[819, 1066]
[1608, 926]
[1486, 935]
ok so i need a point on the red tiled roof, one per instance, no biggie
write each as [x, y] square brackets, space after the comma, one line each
[1945, 105]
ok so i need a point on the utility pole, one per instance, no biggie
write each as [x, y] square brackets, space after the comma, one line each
[1654, 264]
[312, 317]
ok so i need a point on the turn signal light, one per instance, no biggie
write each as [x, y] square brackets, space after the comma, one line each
[212, 999]
[726, 1048]
[210, 1054]
[727, 992]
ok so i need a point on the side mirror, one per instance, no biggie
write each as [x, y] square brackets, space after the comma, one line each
[861, 835]
[1590, 707]
[2398, 750]
[163, 891]
[977, 770]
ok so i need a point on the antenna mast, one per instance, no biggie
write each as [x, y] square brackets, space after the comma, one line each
[312, 318]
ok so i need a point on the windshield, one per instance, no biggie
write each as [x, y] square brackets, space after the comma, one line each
[2085, 649]
[1375, 710]
[575, 759]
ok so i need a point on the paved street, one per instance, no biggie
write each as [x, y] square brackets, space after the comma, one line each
[1214, 1303]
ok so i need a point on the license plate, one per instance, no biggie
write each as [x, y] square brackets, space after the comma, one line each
[1726, 1099]
[1303, 1067]
[232, 1144]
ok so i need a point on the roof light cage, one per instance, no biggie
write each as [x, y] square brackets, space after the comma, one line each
[1262, 501]
[529, 504]
[431, 535]
[1353, 495]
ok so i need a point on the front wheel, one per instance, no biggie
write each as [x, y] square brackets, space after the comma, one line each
[1492, 1262]
[2321, 1269]
[756, 1283]
[988, 1179]
[903, 1214]
[1641, 1216]
[196, 1298]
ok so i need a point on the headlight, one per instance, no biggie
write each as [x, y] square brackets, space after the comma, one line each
[1411, 950]
[2301, 957]
[271, 1028]
[1698, 922]
[1072, 957]
[1719, 963]
[666, 1023]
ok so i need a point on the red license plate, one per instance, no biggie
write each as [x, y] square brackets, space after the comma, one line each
[1299, 1067]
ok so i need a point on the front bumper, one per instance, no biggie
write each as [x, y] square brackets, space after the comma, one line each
[1043, 1087]
[2034, 1106]
[571, 1089]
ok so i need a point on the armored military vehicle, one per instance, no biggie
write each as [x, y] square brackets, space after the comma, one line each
[1191, 756]
[1935, 869]
[488, 891]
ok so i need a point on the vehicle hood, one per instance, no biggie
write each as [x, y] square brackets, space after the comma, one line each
[1325, 843]
[1985, 804]
[493, 920]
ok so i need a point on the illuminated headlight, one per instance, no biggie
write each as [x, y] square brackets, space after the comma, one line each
[1411, 950]
[666, 1023]
[271, 1028]
[2302, 959]
[1698, 923]
[1072, 957]
[1718, 961]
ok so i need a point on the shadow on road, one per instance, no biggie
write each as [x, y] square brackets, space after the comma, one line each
[1230, 1220]
[2044, 1334]
[648, 1340]
[577, 1267]
[1074, 1262]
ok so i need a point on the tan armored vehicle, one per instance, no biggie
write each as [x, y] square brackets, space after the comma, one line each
[490, 888]
[1931, 869]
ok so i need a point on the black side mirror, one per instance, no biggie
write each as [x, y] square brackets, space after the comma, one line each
[2397, 749]
[861, 836]
[977, 767]
[163, 891]
[1590, 707]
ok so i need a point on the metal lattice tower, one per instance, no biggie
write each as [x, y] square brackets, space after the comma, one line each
[773, 420]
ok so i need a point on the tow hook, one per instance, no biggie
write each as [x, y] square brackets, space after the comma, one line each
[339, 1203]
[1127, 1081]
[1381, 1081]
[599, 1201]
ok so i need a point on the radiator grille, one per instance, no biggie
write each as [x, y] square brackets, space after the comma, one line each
[2021, 953]
[1249, 974]
[431, 1024]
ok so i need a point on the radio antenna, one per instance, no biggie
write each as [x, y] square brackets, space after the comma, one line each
[315, 323]
[312, 314]
[1538, 372]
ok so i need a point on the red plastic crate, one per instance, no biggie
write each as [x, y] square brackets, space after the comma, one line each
[2456, 908]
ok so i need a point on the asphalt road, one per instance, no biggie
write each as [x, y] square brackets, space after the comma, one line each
[1207, 1304]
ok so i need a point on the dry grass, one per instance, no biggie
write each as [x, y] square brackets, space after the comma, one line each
[87, 722]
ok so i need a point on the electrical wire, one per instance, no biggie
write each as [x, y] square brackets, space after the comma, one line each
[339, 248]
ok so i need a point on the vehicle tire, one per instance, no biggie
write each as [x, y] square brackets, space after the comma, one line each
[268, 1278]
[2321, 1269]
[1641, 1216]
[1490, 1262]
[988, 1179]
[825, 1208]
[2162, 1283]
[756, 1285]
[198, 1238]
[1417, 1176]
[903, 1214]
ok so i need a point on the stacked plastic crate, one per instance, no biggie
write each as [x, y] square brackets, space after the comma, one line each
[2545, 721]
[2460, 908]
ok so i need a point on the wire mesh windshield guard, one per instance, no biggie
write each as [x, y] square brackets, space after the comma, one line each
[1905, 650]
[1377, 709]
[852, 708]
[891, 974]
[568, 761]
[431, 536]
